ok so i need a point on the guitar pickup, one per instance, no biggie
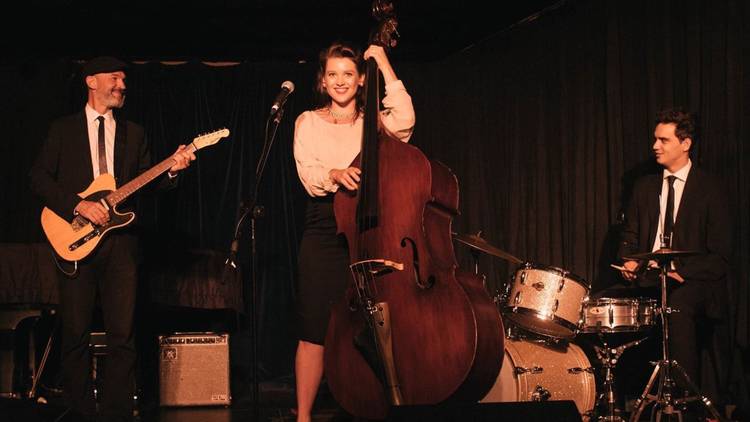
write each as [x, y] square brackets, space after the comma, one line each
[80, 242]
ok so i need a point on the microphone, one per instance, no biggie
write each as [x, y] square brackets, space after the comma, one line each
[286, 88]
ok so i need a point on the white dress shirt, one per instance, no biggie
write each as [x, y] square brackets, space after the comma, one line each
[109, 139]
[679, 186]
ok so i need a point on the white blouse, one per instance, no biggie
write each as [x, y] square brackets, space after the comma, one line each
[320, 146]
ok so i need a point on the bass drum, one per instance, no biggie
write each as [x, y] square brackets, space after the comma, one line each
[535, 372]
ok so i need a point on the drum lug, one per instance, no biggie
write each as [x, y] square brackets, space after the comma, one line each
[533, 370]
[523, 278]
[554, 308]
[353, 304]
[516, 300]
[562, 284]
[540, 394]
[578, 370]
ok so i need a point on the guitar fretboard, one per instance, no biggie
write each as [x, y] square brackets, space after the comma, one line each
[132, 186]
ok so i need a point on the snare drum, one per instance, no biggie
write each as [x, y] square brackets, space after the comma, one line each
[546, 300]
[615, 315]
[534, 372]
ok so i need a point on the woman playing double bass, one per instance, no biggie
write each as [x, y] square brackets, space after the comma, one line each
[326, 141]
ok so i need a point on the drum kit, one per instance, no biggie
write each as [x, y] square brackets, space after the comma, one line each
[544, 308]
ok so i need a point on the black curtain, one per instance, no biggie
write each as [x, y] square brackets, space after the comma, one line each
[546, 125]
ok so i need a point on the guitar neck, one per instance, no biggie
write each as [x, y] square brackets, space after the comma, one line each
[142, 180]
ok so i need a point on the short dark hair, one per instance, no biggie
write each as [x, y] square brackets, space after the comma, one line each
[685, 122]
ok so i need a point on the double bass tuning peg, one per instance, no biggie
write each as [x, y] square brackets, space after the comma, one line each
[382, 9]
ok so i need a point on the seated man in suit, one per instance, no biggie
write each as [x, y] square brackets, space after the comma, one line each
[682, 208]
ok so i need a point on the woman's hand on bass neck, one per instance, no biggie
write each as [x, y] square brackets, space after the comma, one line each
[378, 54]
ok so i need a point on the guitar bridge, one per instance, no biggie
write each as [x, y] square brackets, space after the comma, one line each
[78, 223]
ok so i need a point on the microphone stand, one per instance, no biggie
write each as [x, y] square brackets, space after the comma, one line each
[251, 208]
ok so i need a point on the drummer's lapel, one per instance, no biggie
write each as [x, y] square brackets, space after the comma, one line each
[688, 200]
[653, 210]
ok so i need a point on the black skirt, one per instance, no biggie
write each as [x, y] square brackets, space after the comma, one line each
[323, 269]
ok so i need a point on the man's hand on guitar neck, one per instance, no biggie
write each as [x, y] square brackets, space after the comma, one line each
[93, 211]
[183, 157]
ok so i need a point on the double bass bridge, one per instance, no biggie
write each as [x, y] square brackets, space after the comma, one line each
[365, 272]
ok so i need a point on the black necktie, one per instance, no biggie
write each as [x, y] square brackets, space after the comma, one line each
[668, 213]
[102, 148]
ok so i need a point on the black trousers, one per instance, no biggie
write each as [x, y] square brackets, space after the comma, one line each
[689, 299]
[111, 273]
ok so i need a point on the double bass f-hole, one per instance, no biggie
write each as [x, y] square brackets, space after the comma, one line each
[415, 261]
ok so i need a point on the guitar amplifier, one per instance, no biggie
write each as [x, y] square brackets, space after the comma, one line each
[194, 369]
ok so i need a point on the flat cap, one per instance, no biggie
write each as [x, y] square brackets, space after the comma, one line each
[103, 64]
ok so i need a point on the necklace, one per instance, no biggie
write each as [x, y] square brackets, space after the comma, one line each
[341, 116]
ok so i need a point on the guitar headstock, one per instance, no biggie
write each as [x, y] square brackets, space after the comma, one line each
[210, 138]
[385, 34]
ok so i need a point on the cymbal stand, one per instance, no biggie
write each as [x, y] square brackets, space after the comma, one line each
[475, 257]
[609, 356]
[664, 400]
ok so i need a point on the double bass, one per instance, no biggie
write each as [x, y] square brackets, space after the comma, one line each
[412, 328]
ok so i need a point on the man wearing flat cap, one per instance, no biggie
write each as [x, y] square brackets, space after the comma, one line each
[78, 149]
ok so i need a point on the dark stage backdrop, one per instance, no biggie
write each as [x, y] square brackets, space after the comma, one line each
[546, 126]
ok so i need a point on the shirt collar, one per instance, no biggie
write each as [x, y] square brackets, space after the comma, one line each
[680, 174]
[92, 115]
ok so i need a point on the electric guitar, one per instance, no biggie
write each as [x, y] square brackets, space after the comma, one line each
[75, 239]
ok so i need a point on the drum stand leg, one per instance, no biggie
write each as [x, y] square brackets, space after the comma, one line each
[665, 403]
[609, 357]
[38, 373]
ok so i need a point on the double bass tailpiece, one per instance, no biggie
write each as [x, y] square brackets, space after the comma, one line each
[378, 328]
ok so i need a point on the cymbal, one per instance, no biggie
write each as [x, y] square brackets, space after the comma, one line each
[663, 253]
[477, 242]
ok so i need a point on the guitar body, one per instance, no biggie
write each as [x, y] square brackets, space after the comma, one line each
[75, 239]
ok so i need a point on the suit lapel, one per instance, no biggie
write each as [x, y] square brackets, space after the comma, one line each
[121, 135]
[84, 145]
[654, 191]
[692, 188]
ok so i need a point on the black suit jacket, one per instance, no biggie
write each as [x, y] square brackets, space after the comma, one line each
[63, 168]
[702, 224]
